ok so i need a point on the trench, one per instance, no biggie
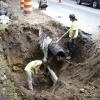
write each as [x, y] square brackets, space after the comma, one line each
[18, 51]
[20, 46]
[50, 51]
[15, 49]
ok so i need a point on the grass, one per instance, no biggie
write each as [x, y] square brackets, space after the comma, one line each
[0, 46]
[8, 89]
[3, 27]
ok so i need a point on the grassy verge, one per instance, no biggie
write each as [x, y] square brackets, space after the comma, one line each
[7, 88]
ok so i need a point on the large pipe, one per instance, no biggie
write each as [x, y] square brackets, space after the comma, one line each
[52, 73]
[56, 50]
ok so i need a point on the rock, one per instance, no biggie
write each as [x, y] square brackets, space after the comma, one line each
[96, 86]
[2, 12]
[82, 90]
[15, 68]
[2, 78]
[86, 39]
[9, 15]
[4, 19]
[91, 84]
[3, 5]
[88, 96]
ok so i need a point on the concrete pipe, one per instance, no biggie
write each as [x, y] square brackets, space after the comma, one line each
[56, 50]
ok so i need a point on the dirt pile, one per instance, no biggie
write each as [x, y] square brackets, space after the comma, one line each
[78, 79]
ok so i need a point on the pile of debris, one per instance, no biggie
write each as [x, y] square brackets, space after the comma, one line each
[5, 14]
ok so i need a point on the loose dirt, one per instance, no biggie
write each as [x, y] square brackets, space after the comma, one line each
[78, 79]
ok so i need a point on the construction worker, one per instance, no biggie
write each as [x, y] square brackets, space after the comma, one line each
[33, 68]
[72, 36]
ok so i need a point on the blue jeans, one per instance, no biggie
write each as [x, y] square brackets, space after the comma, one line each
[71, 47]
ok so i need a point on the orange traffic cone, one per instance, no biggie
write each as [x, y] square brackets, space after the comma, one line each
[28, 7]
[60, 1]
[21, 4]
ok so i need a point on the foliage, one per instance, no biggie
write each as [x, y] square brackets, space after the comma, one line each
[3, 27]
[8, 89]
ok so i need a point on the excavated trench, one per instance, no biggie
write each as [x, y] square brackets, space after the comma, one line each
[21, 45]
[20, 42]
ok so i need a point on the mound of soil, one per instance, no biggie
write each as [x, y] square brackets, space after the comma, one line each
[78, 79]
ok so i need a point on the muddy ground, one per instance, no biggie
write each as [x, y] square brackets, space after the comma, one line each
[78, 79]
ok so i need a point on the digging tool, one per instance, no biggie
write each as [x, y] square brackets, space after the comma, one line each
[62, 36]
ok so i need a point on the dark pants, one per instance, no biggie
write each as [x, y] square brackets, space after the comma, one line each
[71, 47]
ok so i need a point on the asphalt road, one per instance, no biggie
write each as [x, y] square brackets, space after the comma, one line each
[88, 17]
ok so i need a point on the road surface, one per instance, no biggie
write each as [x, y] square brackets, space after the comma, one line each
[88, 17]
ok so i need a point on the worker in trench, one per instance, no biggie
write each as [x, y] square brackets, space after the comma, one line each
[73, 33]
[33, 68]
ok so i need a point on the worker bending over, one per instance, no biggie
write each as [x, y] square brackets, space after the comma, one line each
[33, 68]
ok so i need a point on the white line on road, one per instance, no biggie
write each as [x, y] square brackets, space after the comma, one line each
[78, 7]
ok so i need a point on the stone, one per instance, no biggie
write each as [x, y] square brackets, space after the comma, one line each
[82, 90]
